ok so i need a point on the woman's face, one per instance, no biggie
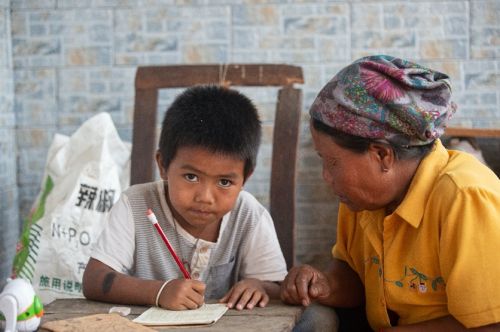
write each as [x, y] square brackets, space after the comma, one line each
[356, 178]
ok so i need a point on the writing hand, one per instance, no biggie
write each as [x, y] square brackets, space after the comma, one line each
[181, 294]
[246, 293]
[303, 284]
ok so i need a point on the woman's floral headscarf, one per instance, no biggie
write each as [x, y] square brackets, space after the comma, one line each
[383, 97]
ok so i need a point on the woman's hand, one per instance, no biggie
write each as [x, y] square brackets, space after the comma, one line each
[246, 293]
[303, 284]
[181, 294]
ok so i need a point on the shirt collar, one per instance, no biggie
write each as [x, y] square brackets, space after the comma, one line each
[413, 205]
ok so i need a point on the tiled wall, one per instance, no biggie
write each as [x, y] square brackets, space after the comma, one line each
[9, 213]
[72, 59]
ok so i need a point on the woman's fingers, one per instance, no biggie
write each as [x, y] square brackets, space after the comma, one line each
[295, 287]
[302, 283]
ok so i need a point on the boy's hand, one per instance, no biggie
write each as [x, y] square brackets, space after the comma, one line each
[246, 293]
[303, 284]
[181, 294]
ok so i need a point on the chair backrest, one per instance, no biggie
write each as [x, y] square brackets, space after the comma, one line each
[149, 80]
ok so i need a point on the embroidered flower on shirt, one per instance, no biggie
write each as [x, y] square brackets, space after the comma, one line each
[418, 281]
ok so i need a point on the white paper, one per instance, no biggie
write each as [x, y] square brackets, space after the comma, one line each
[206, 314]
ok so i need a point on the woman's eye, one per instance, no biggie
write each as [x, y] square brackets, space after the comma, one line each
[225, 182]
[191, 177]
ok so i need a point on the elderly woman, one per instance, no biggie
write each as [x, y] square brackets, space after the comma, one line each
[418, 234]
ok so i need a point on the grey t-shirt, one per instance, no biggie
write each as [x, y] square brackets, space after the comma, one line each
[247, 246]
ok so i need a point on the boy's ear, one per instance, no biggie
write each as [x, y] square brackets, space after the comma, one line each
[248, 177]
[383, 155]
[161, 168]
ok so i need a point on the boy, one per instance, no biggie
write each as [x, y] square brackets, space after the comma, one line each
[208, 147]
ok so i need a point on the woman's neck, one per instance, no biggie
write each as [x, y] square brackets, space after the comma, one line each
[402, 179]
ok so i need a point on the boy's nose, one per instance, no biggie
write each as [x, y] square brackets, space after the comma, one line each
[204, 195]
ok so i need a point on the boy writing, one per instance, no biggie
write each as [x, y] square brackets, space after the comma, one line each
[208, 147]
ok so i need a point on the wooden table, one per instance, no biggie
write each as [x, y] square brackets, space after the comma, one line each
[273, 318]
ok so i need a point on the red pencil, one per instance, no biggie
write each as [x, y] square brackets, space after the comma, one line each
[151, 216]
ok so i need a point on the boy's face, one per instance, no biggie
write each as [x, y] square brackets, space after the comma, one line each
[202, 187]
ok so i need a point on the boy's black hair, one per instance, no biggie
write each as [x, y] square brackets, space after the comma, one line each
[219, 119]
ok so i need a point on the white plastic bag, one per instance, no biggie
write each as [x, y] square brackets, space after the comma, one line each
[84, 176]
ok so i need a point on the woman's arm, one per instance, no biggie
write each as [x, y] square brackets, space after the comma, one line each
[338, 286]
[347, 290]
[446, 323]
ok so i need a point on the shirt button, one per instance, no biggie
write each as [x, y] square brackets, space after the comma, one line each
[196, 275]
[203, 250]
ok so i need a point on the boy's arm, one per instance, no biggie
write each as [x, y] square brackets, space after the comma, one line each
[272, 289]
[262, 257]
[102, 283]
[249, 293]
[262, 265]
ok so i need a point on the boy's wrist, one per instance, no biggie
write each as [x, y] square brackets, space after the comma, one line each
[160, 290]
[272, 288]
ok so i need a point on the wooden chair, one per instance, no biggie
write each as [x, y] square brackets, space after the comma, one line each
[149, 80]
[471, 132]
[486, 140]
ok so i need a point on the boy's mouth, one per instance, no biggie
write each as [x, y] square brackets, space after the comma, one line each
[201, 212]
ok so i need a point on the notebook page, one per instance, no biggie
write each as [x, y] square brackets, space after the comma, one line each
[206, 314]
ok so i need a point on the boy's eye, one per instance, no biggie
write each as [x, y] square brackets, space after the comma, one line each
[191, 177]
[225, 182]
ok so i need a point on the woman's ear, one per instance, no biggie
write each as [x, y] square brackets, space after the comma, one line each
[161, 168]
[383, 154]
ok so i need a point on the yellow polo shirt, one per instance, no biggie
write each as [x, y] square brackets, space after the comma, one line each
[438, 253]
